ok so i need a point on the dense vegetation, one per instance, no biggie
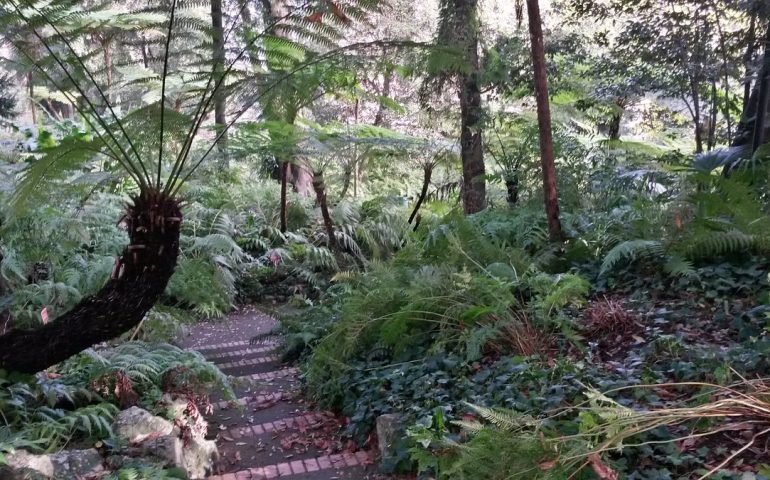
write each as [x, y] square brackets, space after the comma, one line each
[538, 233]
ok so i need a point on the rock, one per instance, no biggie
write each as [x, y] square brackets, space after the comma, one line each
[167, 449]
[136, 424]
[389, 431]
[196, 458]
[65, 465]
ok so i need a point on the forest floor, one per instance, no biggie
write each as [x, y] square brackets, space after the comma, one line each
[270, 431]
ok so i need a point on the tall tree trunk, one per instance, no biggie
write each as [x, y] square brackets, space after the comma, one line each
[696, 116]
[107, 52]
[474, 193]
[284, 202]
[751, 46]
[145, 55]
[712, 134]
[31, 90]
[760, 136]
[320, 192]
[547, 157]
[380, 116]
[139, 279]
[427, 173]
[218, 56]
[347, 179]
[301, 179]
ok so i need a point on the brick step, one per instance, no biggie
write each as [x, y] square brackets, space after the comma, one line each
[299, 467]
[242, 402]
[274, 375]
[243, 352]
[307, 421]
[246, 362]
[220, 346]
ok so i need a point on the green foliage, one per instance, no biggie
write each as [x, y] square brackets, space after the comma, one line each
[145, 365]
[51, 411]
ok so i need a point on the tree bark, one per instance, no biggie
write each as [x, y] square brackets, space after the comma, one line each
[218, 57]
[751, 46]
[760, 128]
[139, 279]
[617, 118]
[474, 193]
[284, 202]
[301, 179]
[320, 191]
[379, 118]
[712, 134]
[696, 116]
[31, 90]
[547, 157]
[427, 173]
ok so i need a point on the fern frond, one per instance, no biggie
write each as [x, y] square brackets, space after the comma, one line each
[630, 251]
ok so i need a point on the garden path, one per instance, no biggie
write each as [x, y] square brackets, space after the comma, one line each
[270, 431]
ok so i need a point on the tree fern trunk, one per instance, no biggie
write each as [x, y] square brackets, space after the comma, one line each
[320, 191]
[139, 279]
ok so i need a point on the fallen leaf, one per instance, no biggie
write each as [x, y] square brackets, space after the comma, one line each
[601, 470]
[546, 465]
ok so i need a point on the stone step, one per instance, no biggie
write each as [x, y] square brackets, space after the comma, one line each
[295, 468]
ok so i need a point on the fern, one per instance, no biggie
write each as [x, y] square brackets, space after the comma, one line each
[713, 244]
[630, 251]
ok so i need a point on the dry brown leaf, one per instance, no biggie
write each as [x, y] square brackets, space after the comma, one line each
[601, 470]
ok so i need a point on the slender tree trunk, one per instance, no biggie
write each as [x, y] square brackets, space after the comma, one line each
[107, 52]
[760, 127]
[427, 173]
[347, 179]
[751, 46]
[218, 56]
[380, 116]
[696, 116]
[471, 146]
[320, 191]
[139, 278]
[31, 89]
[145, 55]
[712, 136]
[301, 179]
[547, 157]
[284, 202]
